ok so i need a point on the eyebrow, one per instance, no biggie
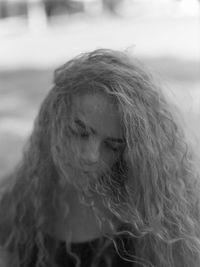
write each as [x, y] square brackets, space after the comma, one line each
[112, 139]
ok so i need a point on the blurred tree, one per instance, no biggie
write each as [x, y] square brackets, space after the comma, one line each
[3, 10]
[62, 6]
[12, 8]
[111, 5]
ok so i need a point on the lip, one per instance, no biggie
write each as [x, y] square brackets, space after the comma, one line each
[90, 172]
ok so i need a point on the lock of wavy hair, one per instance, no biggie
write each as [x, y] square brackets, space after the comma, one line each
[153, 189]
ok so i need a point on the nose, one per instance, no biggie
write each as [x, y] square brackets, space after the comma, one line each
[91, 152]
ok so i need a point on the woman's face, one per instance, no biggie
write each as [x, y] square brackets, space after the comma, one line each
[96, 134]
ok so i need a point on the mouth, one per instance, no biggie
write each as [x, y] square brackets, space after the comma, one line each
[90, 173]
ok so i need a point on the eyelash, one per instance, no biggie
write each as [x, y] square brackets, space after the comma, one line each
[115, 149]
[81, 133]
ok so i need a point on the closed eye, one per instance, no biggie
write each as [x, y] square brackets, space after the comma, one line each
[79, 132]
[114, 146]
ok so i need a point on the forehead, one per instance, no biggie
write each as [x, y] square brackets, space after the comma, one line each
[99, 111]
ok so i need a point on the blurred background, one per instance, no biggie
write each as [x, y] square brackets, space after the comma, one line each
[36, 36]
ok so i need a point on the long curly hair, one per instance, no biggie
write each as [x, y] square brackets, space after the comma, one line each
[153, 189]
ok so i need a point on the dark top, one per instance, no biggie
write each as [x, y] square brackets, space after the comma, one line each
[85, 252]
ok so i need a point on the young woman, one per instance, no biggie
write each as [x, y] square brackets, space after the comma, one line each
[107, 178]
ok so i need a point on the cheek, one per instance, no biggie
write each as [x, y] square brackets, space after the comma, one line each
[108, 157]
[73, 151]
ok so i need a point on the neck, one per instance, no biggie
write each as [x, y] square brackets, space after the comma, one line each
[81, 222]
